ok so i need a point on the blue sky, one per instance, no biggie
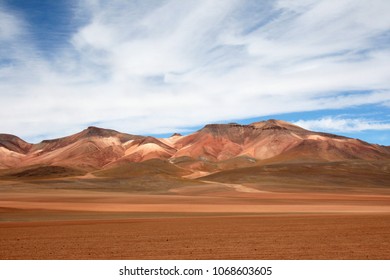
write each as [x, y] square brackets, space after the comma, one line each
[158, 67]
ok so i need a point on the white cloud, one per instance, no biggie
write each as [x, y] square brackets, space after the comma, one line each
[162, 66]
[337, 124]
[10, 26]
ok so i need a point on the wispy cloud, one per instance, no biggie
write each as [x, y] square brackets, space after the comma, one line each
[163, 66]
[10, 26]
[337, 124]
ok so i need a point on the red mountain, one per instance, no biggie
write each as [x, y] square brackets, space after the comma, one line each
[272, 138]
[213, 148]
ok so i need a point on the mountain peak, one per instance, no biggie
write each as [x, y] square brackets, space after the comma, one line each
[97, 131]
[175, 135]
[9, 137]
[94, 128]
[276, 125]
[218, 127]
[14, 143]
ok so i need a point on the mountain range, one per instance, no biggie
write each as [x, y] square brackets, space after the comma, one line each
[214, 148]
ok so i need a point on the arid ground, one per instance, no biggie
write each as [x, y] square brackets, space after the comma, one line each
[93, 218]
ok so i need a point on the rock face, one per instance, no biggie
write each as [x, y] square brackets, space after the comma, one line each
[216, 146]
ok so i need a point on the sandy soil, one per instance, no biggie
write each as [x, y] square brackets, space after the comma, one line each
[262, 237]
[206, 198]
[205, 221]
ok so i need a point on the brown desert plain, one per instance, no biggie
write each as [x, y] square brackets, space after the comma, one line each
[267, 190]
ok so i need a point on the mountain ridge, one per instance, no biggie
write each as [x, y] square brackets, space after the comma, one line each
[213, 147]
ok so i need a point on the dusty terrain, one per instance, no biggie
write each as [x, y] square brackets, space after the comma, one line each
[329, 236]
[82, 219]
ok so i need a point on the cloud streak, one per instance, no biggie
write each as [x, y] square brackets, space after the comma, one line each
[343, 124]
[163, 66]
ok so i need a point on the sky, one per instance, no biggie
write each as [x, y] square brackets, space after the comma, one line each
[157, 67]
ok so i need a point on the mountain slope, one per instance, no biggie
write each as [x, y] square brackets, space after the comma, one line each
[272, 138]
[214, 148]
[12, 150]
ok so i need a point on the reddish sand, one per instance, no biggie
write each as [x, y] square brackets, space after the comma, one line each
[217, 198]
[214, 221]
[263, 237]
